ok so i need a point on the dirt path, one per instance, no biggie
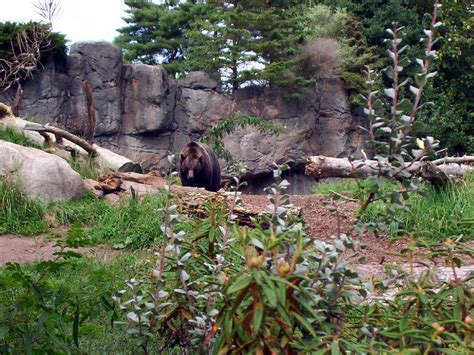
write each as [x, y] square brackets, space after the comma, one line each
[19, 249]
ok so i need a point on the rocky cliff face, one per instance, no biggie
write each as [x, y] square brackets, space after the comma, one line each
[144, 114]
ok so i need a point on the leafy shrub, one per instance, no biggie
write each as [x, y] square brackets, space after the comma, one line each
[64, 307]
[216, 133]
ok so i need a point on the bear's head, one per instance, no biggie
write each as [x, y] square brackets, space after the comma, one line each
[192, 161]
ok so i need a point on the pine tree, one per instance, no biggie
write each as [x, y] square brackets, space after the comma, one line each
[236, 41]
[155, 32]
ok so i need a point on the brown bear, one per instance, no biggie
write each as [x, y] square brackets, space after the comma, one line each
[199, 167]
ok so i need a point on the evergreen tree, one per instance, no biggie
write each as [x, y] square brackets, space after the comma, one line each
[231, 40]
[155, 32]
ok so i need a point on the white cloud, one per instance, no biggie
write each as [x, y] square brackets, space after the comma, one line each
[79, 20]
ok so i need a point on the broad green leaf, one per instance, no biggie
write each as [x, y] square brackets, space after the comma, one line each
[27, 341]
[3, 331]
[270, 294]
[420, 79]
[304, 322]
[405, 105]
[75, 326]
[404, 61]
[378, 104]
[335, 348]
[403, 323]
[258, 312]
[386, 129]
[241, 283]
[414, 90]
[390, 92]
[309, 308]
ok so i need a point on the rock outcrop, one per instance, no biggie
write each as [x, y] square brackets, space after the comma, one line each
[144, 114]
[39, 175]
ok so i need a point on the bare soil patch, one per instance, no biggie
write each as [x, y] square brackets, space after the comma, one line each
[22, 250]
[323, 225]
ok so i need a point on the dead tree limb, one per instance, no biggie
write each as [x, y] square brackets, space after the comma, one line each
[89, 130]
[64, 134]
[16, 103]
[437, 171]
[65, 144]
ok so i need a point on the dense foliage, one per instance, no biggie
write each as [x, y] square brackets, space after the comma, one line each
[212, 286]
[235, 41]
[451, 120]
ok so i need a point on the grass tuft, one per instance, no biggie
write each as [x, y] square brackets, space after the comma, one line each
[10, 135]
[436, 215]
[18, 215]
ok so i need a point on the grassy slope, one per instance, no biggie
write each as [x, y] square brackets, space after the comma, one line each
[437, 215]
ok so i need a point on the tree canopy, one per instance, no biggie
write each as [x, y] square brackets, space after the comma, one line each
[237, 41]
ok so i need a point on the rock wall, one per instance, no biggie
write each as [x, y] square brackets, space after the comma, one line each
[144, 114]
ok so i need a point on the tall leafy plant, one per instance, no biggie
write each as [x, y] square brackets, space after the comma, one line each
[392, 113]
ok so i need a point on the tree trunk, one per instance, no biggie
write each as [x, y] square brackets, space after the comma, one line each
[89, 131]
[437, 171]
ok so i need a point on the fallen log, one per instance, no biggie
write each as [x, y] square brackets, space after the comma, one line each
[66, 144]
[437, 171]
[189, 199]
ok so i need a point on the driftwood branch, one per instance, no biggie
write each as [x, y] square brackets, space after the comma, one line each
[66, 144]
[64, 134]
[189, 199]
[26, 56]
[436, 172]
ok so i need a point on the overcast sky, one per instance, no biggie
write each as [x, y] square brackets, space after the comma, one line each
[79, 20]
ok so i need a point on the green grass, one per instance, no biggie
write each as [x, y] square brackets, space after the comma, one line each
[18, 215]
[85, 167]
[132, 223]
[38, 300]
[10, 135]
[442, 214]
[349, 187]
[437, 215]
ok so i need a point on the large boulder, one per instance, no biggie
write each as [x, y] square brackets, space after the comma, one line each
[147, 103]
[39, 175]
[198, 80]
[100, 63]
